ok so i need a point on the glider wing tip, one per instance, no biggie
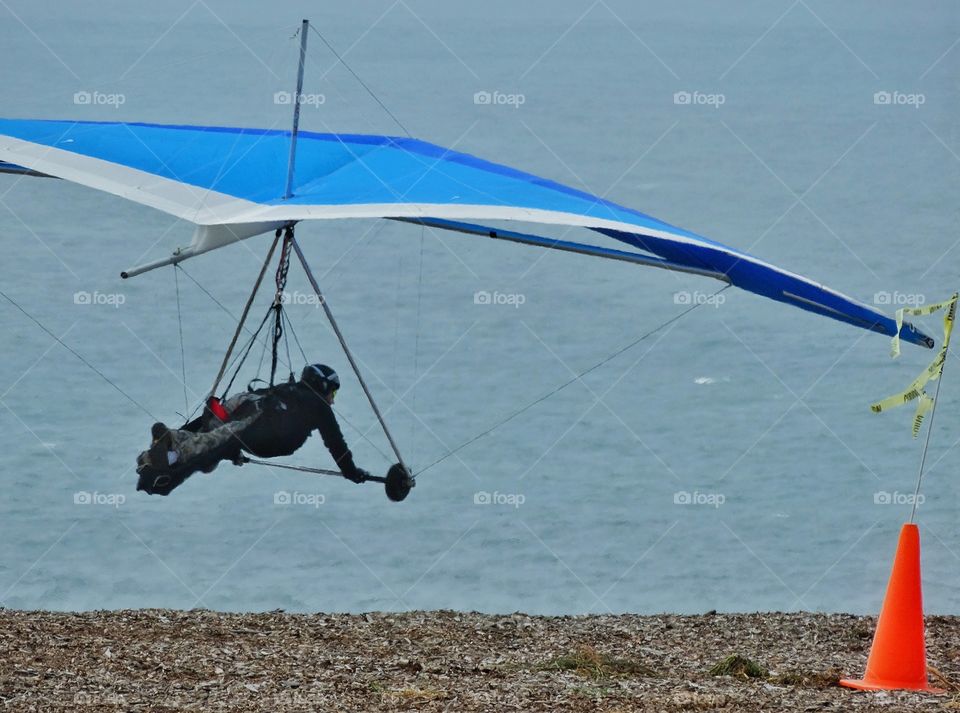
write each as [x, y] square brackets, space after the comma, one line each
[915, 336]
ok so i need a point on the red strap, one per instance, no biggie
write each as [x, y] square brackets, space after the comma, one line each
[217, 409]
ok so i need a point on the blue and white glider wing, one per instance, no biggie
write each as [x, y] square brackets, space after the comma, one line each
[231, 182]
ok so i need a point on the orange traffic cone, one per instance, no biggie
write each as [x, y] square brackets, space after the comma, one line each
[898, 657]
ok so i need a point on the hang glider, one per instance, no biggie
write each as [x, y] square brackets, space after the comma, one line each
[234, 183]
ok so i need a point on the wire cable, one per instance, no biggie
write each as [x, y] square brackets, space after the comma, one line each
[363, 84]
[564, 385]
[183, 358]
[79, 356]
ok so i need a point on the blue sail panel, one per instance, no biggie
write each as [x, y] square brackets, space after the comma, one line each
[236, 177]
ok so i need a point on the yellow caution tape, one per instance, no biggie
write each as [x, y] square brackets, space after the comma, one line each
[926, 403]
[948, 320]
[915, 391]
[924, 311]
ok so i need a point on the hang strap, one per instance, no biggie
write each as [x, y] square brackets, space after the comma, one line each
[243, 317]
[283, 270]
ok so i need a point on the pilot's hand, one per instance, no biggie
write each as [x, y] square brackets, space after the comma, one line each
[359, 475]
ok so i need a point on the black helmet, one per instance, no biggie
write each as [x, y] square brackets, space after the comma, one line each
[321, 378]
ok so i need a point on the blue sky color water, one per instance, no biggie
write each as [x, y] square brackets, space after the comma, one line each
[729, 462]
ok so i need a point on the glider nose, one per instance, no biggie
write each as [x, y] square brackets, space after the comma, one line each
[913, 335]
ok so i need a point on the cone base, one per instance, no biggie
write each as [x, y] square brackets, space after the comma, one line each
[863, 685]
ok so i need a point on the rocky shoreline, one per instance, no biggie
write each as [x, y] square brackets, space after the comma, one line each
[158, 660]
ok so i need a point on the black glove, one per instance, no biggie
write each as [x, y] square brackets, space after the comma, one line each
[357, 476]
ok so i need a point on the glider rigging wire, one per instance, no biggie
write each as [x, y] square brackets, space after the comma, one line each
[567, 383]
[79, 356]
[363, 84]
[183, 358]
[243, 316]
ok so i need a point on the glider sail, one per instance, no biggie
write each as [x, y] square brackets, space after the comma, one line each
[231, 183]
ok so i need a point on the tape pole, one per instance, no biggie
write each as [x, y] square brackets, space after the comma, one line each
[916, 389]
[948, 321]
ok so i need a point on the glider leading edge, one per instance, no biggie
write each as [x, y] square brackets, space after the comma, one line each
[231, 182]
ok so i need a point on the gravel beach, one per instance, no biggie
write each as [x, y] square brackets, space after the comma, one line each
[155, 660]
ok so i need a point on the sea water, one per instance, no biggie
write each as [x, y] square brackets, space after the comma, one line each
[728, 461]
